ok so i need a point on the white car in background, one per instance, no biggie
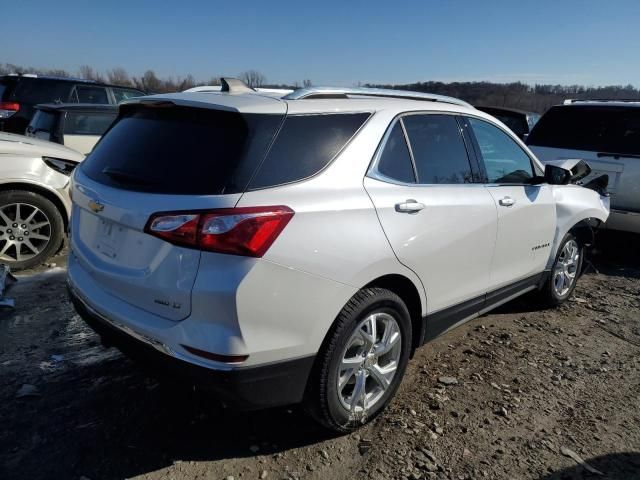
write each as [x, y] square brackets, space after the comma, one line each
[34, 198]
[606, 135]
[298, 249]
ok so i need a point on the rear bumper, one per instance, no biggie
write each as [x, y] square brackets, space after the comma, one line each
[249, 388]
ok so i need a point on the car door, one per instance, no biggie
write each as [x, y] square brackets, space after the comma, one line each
[439, 222]
[526, 212]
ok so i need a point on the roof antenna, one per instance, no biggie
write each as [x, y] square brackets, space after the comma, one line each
[234, 85]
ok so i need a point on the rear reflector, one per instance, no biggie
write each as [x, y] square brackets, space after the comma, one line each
[8, 108]
[247, 231]
[216, 356]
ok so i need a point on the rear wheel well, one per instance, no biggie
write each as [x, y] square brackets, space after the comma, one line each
[407, 291]
[52, 197]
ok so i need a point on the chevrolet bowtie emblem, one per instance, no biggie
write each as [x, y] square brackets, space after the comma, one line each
[96, 206]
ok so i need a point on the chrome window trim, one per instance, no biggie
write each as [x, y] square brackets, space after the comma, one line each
[373, 172]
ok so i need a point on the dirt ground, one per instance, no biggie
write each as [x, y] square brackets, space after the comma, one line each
[530, 388]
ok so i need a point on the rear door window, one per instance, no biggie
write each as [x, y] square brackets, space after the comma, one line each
[305, 145]
[504, 160]
[438, 149]
[180, 150]
[90, 94]
[395, 160]
[606, 129]
[81, 123]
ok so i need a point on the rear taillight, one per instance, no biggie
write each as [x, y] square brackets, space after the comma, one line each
[248, 231]
[8, 108]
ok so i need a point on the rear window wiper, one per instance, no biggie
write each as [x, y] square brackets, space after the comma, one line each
[122, 176]
[617, 155]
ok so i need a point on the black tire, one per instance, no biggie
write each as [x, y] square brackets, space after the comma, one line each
[8, 233]
[549, 294]
[322, 400]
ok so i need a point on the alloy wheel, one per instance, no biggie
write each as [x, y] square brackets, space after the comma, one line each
[25, 231]
[369, 363]
[566, 269]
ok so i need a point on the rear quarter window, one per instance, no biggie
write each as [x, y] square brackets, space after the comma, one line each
[305, 145]
[36, 90]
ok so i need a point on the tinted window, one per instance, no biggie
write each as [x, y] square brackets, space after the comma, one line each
[122, 94]
[438, 149]
[88, 94]
[78, 123]
[606, 129]
[504, 160]
[395, 160]
[42, 124]
[35, 90]
[181, 150]
[305, 145]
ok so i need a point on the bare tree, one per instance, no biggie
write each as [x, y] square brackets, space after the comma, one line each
[119, 76]
[87, 72]
[253, 78]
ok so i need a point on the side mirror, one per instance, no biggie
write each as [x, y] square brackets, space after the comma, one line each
[554, 175]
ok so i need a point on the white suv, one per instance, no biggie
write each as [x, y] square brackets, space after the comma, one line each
[281, 250]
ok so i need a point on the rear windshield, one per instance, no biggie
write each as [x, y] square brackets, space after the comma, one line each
[592, 128]
[42, 125]
[179, 150]
[81, 123]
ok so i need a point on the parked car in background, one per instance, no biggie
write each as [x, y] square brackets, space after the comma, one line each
[19, 95]
[519, 121]
[270, 92]
[329, 233]
[75, 125]
[34, 198]
[606, 134]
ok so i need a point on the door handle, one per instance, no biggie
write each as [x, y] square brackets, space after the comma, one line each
[409, 206]
[506, 201]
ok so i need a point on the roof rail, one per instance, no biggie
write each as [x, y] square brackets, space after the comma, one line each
[331, 92]
[570, 101]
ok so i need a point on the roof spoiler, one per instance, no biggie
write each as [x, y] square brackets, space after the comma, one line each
[234, 85]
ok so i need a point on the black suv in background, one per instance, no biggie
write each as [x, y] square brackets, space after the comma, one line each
[19, 94]
[519, 121]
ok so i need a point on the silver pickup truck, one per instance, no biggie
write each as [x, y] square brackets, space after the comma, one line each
[606, 134]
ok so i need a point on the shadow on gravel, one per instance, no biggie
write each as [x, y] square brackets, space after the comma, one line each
[111, 421]
[617, 466]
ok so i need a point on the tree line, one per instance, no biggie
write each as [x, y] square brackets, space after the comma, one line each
[536, 98]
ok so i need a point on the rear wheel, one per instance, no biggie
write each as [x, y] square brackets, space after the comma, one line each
[564, 273]
[31, 229]
[362, 361]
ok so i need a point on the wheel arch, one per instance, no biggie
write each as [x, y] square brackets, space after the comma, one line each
[410, 295]
[49, 194]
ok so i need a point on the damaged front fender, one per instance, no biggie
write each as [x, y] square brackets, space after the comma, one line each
[576, 205]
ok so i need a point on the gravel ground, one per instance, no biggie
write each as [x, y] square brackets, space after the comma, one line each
[518, 393]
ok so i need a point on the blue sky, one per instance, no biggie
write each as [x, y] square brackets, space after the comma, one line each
[334, 43]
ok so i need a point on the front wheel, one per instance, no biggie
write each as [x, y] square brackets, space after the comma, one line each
[564, 273]
[362, 361]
